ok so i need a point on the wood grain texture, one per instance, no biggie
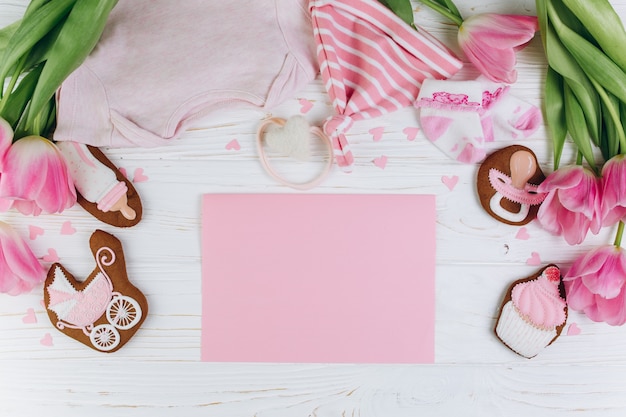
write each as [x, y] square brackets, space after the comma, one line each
[159, 374]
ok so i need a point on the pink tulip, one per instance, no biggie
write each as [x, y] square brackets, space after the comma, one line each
[595, 285]
[6, 137]
[490, 41]
[572, 206]
[35, 177]
[20, 270]
[614, 190]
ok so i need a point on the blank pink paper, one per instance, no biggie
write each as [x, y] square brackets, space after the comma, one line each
[318, 278]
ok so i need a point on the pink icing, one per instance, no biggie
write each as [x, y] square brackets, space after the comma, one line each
[539, 300]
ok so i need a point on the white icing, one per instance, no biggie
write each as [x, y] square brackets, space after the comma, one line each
[500, 211]
[520, 335]
[81, 309]
[104, 337]
[124, 312]
[92, 178]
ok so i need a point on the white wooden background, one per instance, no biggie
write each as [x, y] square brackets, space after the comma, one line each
[159, 373]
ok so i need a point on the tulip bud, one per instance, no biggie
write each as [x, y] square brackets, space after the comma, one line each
[20, 270]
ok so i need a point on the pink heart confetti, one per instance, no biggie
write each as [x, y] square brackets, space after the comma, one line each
[46, 340]
[233, 145]
[305, 105]
[67, 229]
[450, 182]
[377, 133]
[35, 231]
[534, 259]
[139, 176]
[381, 162]
[522, 234]
[123, 171]
[51, 256]
[573, 330]
[411, 133]
[30, 317]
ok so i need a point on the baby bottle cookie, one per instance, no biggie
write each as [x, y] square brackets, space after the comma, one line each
[533, 312]
[105, 310]
[102, 189]
[507, 184]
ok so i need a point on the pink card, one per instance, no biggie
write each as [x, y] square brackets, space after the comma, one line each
[318, 278]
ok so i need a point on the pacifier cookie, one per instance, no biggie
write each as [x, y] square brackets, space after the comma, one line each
[533, 313]
[507, 184]
[105, 310]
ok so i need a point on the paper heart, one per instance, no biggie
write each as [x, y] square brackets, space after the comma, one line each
[305, 105]
[139, 176]
[573, 330]
[123, 171]
[522, 234]
[450, 182]
[67, 229]
[35, 231]
[381, 162]
[291, 139]
[411, 133]
[51, 256]
[534, 259]
[46, 340]
[233, 145]
[377, 133]
[30, 317]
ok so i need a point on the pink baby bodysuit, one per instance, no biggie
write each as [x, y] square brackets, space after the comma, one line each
[161, 65]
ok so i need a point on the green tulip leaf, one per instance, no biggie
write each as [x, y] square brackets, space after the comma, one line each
[610, 140]
[604, 24]
[76, 39]
[402, 8]
[31, 30]
[577, 126]
[554, 113]
[19, 98]
[562, 62]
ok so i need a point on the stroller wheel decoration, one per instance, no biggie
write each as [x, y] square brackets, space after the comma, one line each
[103, 311]
[123, 312]
[104, 337]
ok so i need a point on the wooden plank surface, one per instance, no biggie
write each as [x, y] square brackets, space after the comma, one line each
[159, 374]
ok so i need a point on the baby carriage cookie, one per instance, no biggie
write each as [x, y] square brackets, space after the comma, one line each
[533, 312]
[105, 310]
[507, 185]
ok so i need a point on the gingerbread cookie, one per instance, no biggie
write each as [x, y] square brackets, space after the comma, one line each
[102, 189]
[533, 313]
[105, 310]
[507, 184]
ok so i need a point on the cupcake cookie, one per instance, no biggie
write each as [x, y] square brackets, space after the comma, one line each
[533, 312]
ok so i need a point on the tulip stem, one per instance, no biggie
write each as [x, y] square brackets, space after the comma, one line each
[579, 158]
[12, 82]
[457, 19]
[613, 112]
[618, 235]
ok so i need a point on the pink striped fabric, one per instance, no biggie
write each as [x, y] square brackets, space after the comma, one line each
[372, 63]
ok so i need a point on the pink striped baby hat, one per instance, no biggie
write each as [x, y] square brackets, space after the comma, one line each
[372, 63]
